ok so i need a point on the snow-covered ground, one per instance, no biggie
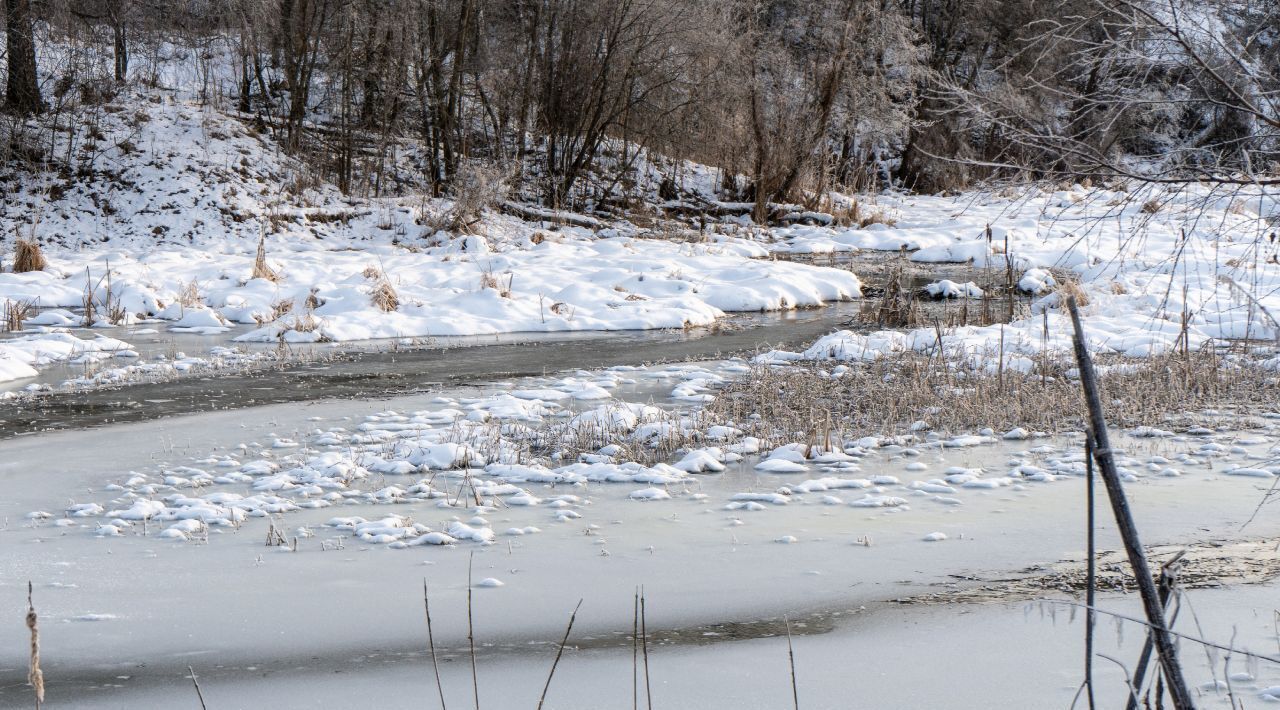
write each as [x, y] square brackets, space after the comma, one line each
[167, 225]
[166, 229]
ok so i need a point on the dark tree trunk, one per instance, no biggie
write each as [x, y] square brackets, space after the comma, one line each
[22, 92]
[121, 37]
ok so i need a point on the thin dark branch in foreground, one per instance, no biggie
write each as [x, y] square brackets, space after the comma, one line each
[635, 654]
[196, 682]
[644, 643]
[471, 636]
[1124, 520]
[559, 652]
[791, 656]
[1168, 579]
[431, 642]
[1091, 573]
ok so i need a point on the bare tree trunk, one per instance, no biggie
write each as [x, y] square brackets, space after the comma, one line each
[22, 92]
[120, 43]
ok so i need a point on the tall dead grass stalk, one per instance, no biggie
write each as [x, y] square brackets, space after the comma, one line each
[35, 676]
[261, 269]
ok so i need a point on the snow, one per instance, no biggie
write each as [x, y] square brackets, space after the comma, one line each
[950, 289]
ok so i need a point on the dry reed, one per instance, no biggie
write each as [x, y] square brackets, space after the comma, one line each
[383, 295]
[892, 394]
[35, 676]
[28, 257]
[262, 270]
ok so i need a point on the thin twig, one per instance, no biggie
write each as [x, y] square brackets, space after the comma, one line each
[195, 681]
[1133, 694]
[635, 653]
[431, 642]
[791, 656]
[1177, 634]
[644, 643]
[559, 651]
[471, 636]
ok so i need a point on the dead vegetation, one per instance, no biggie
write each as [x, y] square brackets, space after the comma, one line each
[915, 391]
[262, 270]
[1201, 565]
[28, 257]
[477, 187]
[896, 307]
[383, 295]
[15, 312]
[490, 280]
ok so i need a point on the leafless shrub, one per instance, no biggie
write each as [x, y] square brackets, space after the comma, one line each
[476, 187]
[189, 296]
[15, 312]
[108, 306]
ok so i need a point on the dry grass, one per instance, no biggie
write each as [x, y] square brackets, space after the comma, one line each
[877, 217]
[189, 296]
[383, 295]
[804, 403]
[28, 257]
[279, 309]
[303, 323]
[489, 280]
[851, 213]
[1070, 288]
[262, 270]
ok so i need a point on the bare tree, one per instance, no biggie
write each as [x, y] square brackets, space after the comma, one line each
[22, 90]
[1161, 93]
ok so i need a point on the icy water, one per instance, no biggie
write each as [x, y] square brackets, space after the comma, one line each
[123, 617]
[371, 370]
